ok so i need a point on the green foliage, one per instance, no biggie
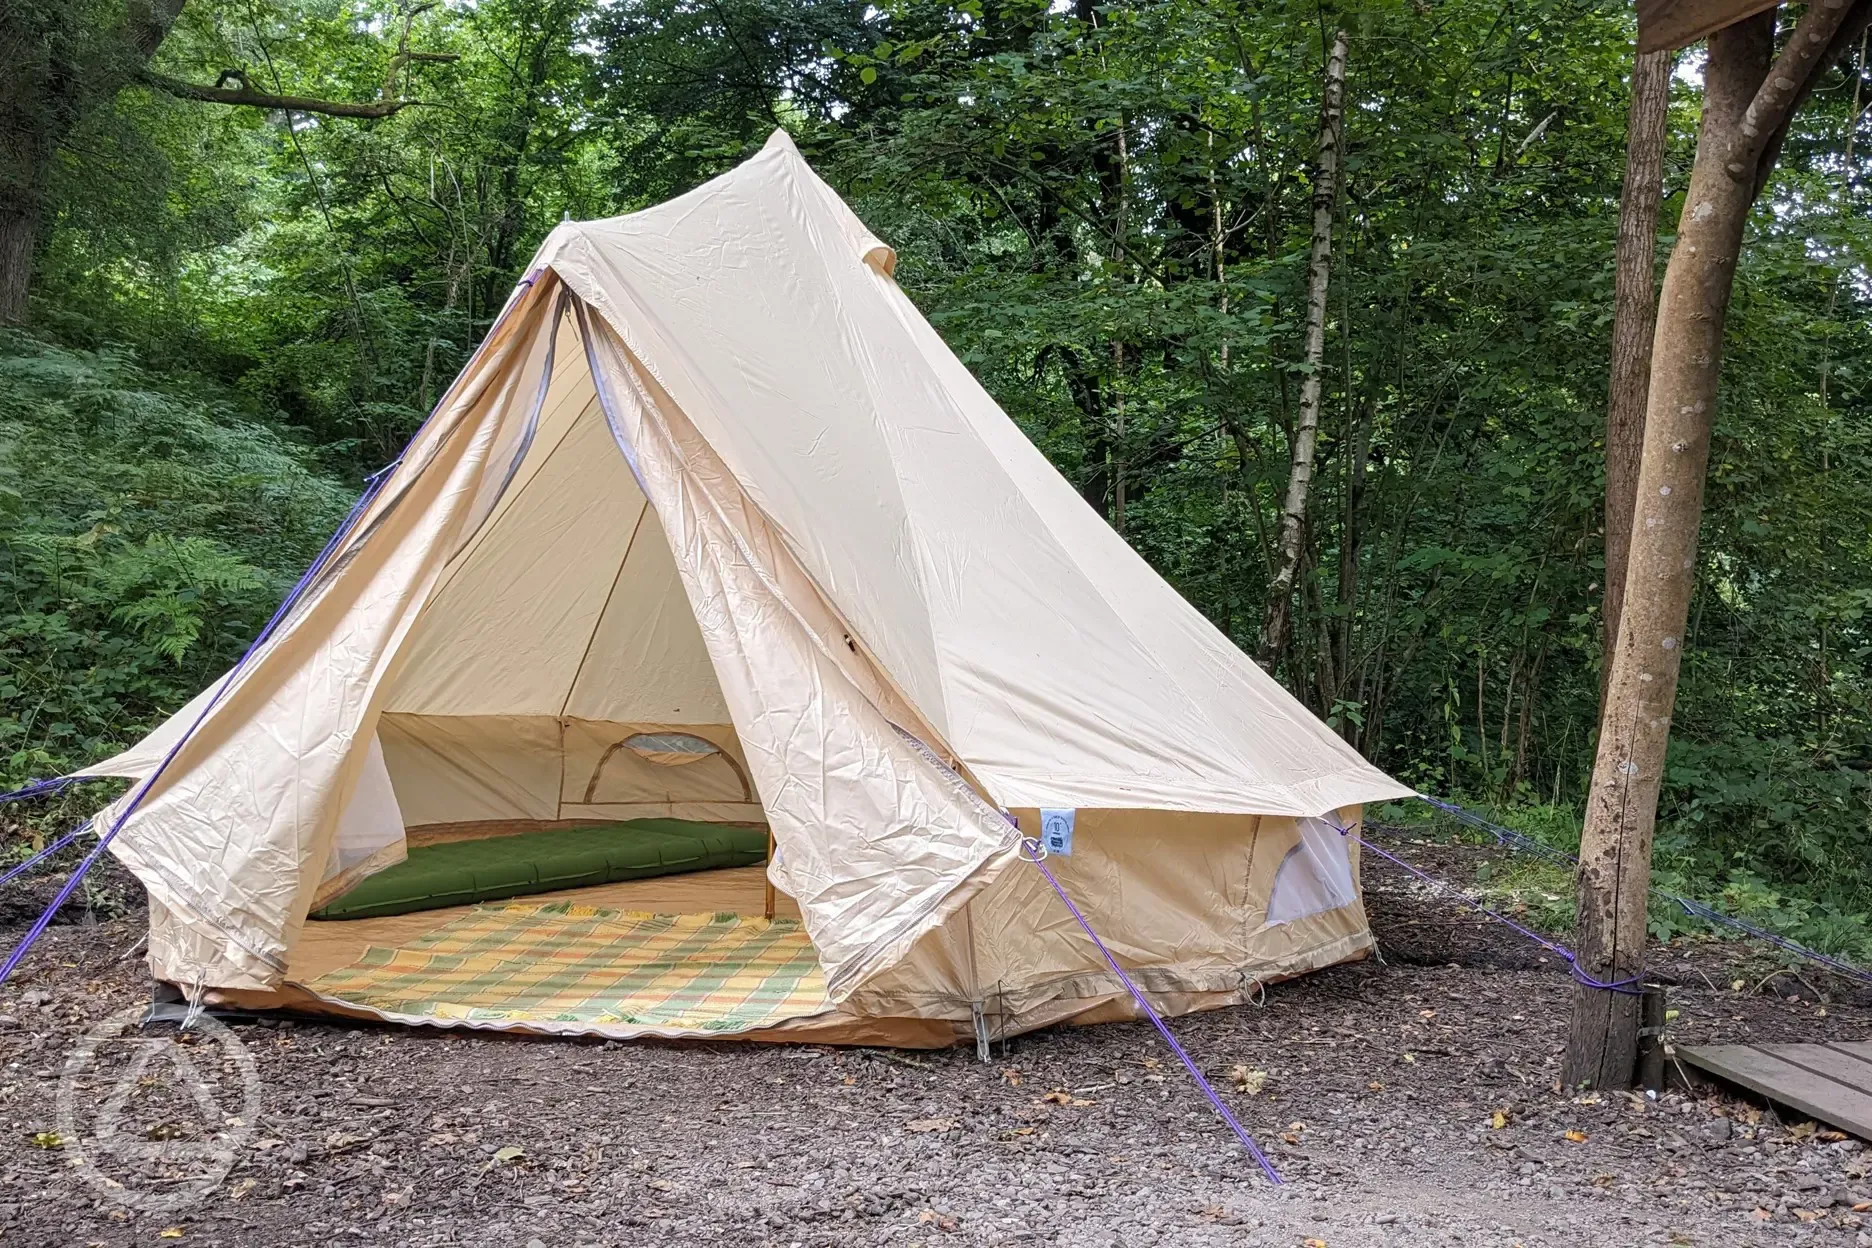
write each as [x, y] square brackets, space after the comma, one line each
[1105, 209]
[147, 531]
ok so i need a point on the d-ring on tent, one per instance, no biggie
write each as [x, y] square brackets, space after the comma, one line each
[714, 546]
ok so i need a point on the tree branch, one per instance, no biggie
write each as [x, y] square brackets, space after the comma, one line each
[1848, 33]
[245, 94]
[389, 99]
[1803, 57]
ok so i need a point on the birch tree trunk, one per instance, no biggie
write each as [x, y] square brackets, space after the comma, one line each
[1277, 630]
[1634, 321]
[1746, 106]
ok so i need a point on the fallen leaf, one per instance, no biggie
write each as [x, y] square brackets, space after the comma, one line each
[1576, 1137]
[1737, 985]
[941, 1222]
[1410, 1057]
[1752, 1116]
[1012, 1076]
[1760, 1215]
[1498, 1120]
[1247, 1080]
[1864, 1206]
[1149, 1063]
[509, 1153]
[1801, 1130]
[1315, 1243]
[1426, 1013]
[1059, 1096]
[931, 1124]
[1807, 1215]
[48, 1139]
[1375, 1086]
[169, 1232]
[1831, 1137]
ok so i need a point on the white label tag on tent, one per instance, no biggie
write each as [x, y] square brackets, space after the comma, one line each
[1056, 831]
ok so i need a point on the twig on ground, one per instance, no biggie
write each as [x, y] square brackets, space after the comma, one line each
[1772, 975]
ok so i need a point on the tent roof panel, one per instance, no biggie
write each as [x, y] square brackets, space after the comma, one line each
[1056, 663]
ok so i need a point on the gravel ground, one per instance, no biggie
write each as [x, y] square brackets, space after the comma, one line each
[1410, 1102]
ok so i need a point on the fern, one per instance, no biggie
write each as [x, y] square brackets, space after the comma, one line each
[147, 530]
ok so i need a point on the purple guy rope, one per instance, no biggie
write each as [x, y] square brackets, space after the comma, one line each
[1701, 911]
[44, 921]
[1511, 839]
[1033, 852]
[45, 853]
[39, 788]
[1507, 837]
[1560, 951]
[372, 486]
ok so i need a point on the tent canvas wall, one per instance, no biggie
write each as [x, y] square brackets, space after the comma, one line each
[713, 525]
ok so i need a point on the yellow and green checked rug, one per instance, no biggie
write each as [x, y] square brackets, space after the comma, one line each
[581, 965]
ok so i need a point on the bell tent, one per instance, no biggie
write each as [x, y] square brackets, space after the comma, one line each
[715, 556]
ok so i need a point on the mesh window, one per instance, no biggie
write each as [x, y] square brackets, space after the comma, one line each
[1314, 877]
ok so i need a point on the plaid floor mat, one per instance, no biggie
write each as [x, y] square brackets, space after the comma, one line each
[567, 964]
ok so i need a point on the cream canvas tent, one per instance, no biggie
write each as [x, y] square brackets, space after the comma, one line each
[714, 527]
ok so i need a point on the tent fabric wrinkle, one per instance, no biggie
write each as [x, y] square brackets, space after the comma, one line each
[714, 527]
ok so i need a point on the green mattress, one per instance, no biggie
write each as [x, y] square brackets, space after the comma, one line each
[462, 872]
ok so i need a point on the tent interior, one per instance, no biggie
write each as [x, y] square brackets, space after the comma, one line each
[557, 682]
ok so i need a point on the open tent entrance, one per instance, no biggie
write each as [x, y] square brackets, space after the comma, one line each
[584, 840]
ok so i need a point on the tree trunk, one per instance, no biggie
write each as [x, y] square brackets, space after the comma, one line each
[1277, 629]
[51, 80]
[19, 228]
[1747, 104]
[1615, 850]
[1634, 321]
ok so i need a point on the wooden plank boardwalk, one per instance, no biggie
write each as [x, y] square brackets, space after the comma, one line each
[1828, 1082]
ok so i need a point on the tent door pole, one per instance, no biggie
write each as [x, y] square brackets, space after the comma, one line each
[770, 887]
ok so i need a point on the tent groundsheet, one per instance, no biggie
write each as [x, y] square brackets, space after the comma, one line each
[569, 964]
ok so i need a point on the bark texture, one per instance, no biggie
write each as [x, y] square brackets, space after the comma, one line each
[53, 74]
[56, 69]
[1747, 102]
[1277, 629]
[1634, 321]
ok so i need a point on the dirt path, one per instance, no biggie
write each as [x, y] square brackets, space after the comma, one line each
[1383, 1086]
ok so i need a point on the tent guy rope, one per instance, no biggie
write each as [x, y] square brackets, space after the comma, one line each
[1520, 842]
[372, 487]
[1034, 851]
[1561, 951]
